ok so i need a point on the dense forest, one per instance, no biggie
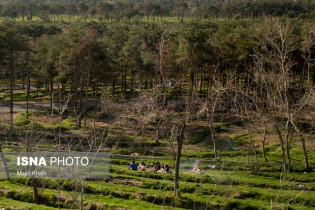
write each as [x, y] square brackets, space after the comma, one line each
[150, 10]
[266, 67]
[151, 73]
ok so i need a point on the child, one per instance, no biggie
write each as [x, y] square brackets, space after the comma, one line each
[133, 166]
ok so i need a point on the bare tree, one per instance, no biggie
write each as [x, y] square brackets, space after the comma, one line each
[308, 44]
[247, 109]
[273, 64]
[273, 69]
[217, 99]
[181, 122]
[303, 113]
[150, 105]
[4, 162]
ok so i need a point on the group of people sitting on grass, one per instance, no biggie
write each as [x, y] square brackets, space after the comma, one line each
[155, 167]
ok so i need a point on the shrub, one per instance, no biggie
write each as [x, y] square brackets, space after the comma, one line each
[122, 152]
[24, 119]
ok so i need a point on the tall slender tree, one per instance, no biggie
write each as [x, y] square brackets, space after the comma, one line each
[12, 43]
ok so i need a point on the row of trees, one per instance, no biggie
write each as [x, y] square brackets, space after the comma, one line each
[132, 57]
[124, 9]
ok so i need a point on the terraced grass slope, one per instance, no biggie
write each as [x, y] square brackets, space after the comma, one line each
[237, 182]
[211, 189]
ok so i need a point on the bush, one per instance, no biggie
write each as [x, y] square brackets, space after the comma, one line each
[24, 119]
[68, 124]
[122, 152]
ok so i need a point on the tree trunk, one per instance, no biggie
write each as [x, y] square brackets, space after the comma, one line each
[201, 80]
[81, 195]
[145, 84]
[85, 104]
[132, 81]
[192, 78]
[302, 140]
[23, 79]
[287, 132]
[302, 78]
[75, 90]
[46, 87]
[51, 96]
[122, 84]
[124, 81]
[306, 164]
[12, 78]
[35, 189]
[284, 162]
[95, 89]
[215, 152]
[5, 166]
[254, 151]
[28, 92]
[183, 13]
[81, 102]
[157, 134]
[180, 140]
[113, 86]
[263, 145]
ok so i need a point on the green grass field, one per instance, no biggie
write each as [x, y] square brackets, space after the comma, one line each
[145, 190]
[222, 188]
